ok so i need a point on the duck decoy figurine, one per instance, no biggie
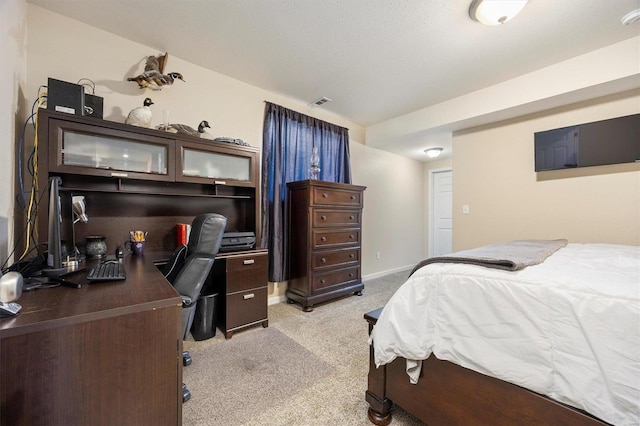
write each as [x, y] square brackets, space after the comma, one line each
[141, 116]
[185, 129]
[153, 76]
[204, 124]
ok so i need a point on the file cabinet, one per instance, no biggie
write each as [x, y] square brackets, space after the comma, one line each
[241, 278]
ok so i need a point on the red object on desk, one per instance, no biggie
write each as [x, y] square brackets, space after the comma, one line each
[181, 234]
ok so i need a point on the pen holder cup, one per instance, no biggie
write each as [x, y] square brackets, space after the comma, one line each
[135, 247]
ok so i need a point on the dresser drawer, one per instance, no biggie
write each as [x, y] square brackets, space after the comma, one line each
[327, 238]
[325, 217]
[328, 259]
[246, 272]
[246, 307]
[336, 197]
[327, 281]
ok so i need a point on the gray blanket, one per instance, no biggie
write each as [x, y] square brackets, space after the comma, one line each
[510, 256]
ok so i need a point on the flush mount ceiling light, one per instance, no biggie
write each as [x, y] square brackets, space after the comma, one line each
[631, 17]
[433, 152]
[495, 12]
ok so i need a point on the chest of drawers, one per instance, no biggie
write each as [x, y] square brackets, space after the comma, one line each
[324, 234]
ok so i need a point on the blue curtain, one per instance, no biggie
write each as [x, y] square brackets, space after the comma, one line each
[287, 144]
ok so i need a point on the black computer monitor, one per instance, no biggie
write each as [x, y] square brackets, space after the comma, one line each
[54, 268]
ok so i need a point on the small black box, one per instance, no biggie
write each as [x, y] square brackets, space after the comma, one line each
[65, 97]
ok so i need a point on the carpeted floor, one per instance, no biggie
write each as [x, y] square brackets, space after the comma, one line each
[305, 369]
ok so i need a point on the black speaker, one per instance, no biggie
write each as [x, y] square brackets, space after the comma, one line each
[65, 97]
[92, 105]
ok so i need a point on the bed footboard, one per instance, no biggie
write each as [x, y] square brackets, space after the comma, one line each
[447, 394]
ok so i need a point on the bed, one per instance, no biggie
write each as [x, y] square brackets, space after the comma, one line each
[554, 341]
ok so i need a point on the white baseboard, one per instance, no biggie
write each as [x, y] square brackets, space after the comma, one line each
[387, 272]
[283, 298]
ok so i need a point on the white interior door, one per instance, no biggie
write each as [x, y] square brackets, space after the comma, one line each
[441, 201]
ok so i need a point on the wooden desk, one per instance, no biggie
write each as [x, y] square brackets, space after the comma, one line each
[104, 354]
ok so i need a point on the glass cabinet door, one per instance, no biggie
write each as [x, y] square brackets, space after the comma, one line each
[215, 163]
[105, 152]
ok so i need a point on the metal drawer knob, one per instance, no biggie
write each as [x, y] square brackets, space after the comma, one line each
[352, 217]
[325, 195]
[323, 238]
[352, 256]
[353, 197]
[323, 217]
[248, 296]
[351, 236]
[322, 281]
[323, 260]
[248, 262]
[350, 274]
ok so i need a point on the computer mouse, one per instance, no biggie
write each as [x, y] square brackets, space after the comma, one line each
[119, 252]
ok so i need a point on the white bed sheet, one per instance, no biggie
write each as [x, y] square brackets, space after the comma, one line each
[568, 328]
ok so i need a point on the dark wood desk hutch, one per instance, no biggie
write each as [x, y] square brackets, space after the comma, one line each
[135, 178]
[324, 241]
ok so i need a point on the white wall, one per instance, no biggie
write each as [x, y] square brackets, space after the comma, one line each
[393, 216]
[494, 174]
[13, 30]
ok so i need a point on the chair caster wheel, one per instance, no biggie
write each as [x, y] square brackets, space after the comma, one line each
[186, 358]
[186, 394]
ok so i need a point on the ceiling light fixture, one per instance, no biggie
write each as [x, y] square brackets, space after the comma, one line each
[495, 12]
[433, 152]
[631, 17]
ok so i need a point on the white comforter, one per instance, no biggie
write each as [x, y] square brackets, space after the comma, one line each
[568, 328]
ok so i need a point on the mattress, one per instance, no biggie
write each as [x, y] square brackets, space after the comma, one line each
[568, 328]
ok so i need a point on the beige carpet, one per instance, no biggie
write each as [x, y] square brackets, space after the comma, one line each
[305, 369]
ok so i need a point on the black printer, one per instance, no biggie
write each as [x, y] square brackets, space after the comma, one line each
[237, 241]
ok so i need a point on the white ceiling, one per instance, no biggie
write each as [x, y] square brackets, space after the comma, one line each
[376, 59]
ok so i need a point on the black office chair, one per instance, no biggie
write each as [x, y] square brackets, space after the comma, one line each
[189, 267]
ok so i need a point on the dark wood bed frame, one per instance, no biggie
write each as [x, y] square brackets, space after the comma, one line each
[447, 394]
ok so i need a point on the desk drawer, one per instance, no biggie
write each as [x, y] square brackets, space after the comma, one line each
[330, 280]
[246, 307]
[325, 217]
[328, 259]
[327, 238]
[247, 272]
[336, 197]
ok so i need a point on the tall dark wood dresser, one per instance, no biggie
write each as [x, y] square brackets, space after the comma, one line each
[324, 235]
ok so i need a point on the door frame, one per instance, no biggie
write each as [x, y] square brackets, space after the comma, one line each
[431, 222]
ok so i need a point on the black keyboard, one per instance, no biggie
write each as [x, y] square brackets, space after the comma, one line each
[107, 271]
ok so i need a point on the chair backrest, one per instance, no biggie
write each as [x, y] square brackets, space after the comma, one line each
[189, 265]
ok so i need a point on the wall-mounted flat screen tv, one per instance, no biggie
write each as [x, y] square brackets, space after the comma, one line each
[612, 141]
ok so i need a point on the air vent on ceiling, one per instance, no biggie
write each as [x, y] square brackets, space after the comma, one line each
[320, 101]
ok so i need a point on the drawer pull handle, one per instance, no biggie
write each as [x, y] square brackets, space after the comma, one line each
[351, 236]
[325, 195]
[322, 281]
[248, 296]
[353, 197]
[350, 274]
[248, 262]
[323, 260]
[352, 255]
[323, 217]
[352, 217]
[323, 238]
